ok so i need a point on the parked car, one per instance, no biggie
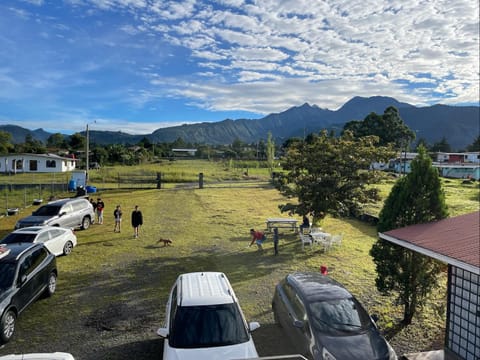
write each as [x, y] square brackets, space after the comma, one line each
[59, 241]
[325, 321]
[39, 356]
[70, 213]
[26, 272]
[204, 320]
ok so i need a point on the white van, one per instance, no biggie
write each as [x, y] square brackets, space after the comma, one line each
[204, 320]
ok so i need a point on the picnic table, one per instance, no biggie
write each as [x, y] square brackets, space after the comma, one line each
[282, 223]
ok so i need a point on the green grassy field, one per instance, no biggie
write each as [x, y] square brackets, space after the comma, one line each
[209, 228]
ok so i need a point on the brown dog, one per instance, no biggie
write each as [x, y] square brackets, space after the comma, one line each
[166, 242]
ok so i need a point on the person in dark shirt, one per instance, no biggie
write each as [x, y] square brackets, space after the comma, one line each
[137, 221]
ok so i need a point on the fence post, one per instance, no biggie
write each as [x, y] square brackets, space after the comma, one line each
[159, 180]
[200, 180]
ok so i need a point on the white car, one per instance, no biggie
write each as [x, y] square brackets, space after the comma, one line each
[59, 241]
[42, 356]
[204, 320]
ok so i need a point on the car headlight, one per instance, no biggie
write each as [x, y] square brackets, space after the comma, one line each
[326, 355]
[391, 353]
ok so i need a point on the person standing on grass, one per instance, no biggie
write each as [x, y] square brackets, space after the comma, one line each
[137, 221]
[100, 208]
[117, 214]
[258, 237]
[275, 241]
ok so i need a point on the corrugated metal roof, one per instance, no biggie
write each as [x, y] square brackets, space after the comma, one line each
[455, 240]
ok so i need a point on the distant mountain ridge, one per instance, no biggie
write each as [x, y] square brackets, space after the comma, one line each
[458, 124]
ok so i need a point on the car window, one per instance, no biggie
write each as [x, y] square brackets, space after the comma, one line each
[208, 326]
[7, 273]
[44, 236]
[345, 315]
[173, 306]
[38, 256]
[32, 261]
[67, 208]
[55, 232]
[47, 210]
[79, 206]
[295, 302]
[17, 237]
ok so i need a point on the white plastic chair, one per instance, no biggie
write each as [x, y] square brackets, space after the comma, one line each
[306, 240]
[337, 240]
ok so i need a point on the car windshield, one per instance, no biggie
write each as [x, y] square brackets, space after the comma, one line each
[339, 315]
[47, 210]
[17, 238]
[207, 326]
[7, 272]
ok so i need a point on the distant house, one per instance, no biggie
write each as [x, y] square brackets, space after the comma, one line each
[402, 163]
[36, 163]
[458, 158]
[455, 241]
[458, 165]
[184, 152]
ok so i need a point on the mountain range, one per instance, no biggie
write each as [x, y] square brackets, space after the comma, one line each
[459, 125]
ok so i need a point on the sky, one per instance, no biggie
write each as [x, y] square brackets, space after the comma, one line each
[139, 65]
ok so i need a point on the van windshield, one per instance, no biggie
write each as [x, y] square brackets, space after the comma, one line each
[47, 210]
[7, 272]
[207, 326]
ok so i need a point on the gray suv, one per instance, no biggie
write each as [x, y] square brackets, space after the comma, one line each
[69, 213]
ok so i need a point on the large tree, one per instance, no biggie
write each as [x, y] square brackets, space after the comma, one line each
[415, 198]
[330, 175]
[5, 142]
[389, 128]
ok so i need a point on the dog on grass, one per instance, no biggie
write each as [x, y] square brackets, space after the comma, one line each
[166, 242]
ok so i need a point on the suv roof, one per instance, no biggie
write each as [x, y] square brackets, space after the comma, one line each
[13, 251]
[315, 286]
[64, 201]
[204, 288]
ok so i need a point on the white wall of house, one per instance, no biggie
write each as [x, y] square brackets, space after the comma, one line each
[35, 163]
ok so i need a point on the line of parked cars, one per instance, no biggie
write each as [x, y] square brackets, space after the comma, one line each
[318, 314]
[28, 268]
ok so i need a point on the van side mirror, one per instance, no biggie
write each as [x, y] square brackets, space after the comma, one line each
[162, 332]
[63, 213]
[253, 326]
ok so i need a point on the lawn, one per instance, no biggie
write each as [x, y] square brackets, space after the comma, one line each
[112, 289]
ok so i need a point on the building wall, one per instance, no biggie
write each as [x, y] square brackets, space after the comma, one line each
[463, 314]
[21, 163]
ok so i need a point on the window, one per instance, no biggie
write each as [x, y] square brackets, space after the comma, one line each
[464, 315]
[33, 165]
[51, 164]
[43, 237]
[207, 326]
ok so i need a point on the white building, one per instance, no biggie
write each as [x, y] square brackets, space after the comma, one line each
[35, 163]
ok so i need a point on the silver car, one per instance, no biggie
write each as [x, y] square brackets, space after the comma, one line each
[69, 213]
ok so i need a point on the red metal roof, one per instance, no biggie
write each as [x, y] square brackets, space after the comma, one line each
[455, 240]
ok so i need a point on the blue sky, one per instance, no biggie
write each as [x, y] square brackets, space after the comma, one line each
[138, 65]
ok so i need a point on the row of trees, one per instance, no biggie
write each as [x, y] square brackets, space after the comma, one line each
[329, 175]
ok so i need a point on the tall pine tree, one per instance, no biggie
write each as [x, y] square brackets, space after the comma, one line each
[416, 198]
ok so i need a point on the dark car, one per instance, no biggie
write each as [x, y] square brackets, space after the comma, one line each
[27, 271]
[325, 321]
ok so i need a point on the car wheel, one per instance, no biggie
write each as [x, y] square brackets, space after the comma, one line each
[86, 223]
[67, 248]
[52, 285]
[7, 326]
